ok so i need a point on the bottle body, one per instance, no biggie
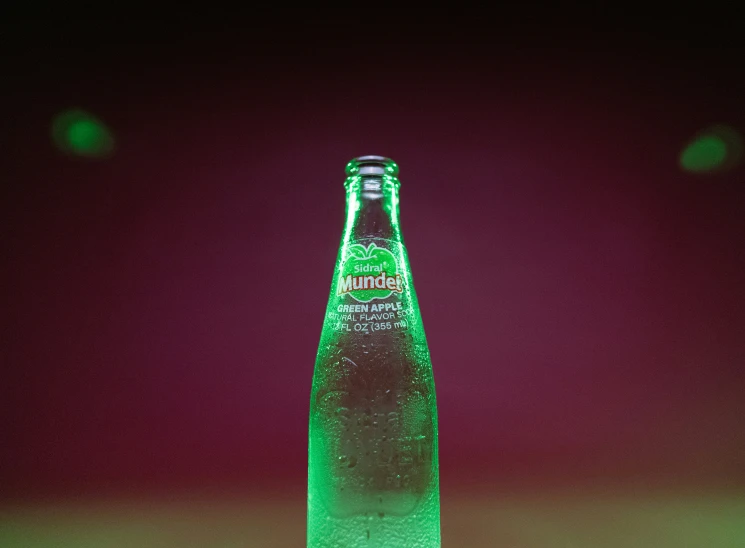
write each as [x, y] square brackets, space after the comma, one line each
[373, 457]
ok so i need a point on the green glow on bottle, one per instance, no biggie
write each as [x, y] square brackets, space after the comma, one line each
[80, 133]
[373, 473]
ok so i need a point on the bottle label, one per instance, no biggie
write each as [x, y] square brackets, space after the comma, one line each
[369, 273]
[370, 291]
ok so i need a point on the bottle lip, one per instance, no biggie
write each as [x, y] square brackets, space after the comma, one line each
[371, 165]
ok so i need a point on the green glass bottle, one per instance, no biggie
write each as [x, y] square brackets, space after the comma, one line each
[373, 474]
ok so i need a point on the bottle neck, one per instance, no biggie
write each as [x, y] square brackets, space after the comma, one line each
[372, 207]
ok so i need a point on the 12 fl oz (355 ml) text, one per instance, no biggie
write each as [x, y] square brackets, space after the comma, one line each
[370, 327]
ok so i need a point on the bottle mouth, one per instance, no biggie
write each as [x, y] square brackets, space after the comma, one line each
[372, 165]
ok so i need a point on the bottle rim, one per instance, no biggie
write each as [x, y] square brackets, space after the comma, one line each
[371, 165]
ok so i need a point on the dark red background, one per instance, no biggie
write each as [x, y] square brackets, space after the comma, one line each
[583, 296]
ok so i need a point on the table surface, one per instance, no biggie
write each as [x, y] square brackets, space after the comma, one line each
[566, 520]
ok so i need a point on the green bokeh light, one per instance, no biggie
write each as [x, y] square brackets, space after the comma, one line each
[704, 154]
[715, 149]
[80, 133]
